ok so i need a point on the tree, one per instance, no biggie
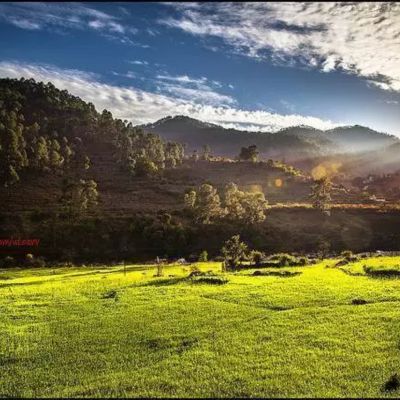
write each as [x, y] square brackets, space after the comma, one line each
[247, 206]
[233, 252]
[249, 153]
[78, 197]
[321, 194]
[194, 156]
[233, 201]
[255, 206]
[55, 158]
[205, 203]
[174, 153]
[145, 167]
[206, 152]
[190, 199]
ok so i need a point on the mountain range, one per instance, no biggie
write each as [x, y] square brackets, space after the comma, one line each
[291, 143]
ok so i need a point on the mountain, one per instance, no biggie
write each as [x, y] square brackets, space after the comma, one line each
[290, 143]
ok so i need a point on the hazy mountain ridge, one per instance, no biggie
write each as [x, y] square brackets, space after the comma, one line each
[291, 143]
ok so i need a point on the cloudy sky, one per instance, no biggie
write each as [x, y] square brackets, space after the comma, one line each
[257, 66]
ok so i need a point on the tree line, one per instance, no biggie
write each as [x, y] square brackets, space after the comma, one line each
[206, 206]
[44, 129]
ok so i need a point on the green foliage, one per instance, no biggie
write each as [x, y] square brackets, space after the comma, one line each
[346, 254]
[145, 154]
[257, 257]
[321, 193]
[205, 203]
[203, 257]
[78, 197]
[237, 206]
[247, 206]
[249, 153]
[46, 129]
[234, 251]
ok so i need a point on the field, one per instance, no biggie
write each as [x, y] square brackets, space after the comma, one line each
[99, 332]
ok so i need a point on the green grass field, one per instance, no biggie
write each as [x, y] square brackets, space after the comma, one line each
[76, 332]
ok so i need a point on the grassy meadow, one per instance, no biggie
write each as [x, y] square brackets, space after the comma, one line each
[318, 330]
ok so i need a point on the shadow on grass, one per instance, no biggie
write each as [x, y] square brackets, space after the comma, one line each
[281, 274]
[382, 272]
[165, 281]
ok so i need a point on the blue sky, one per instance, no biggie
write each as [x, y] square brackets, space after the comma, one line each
[256, 66]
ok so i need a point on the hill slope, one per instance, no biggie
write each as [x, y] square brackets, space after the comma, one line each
[290, 143]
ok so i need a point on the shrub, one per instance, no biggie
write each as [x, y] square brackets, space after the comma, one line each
[29, 259]
[203, 257]
[346, 254]
[257, 257]
[8, 262]
[32, 261]
[40, 262]
[302, 261]
[285, 260]
[194, 270]
[234, 252]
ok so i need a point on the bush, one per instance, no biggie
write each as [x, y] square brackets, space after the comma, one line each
[346, 254]
[286, 260]
[194, 270]
[302, 261]
[29, 259]
[32, 261]
[234, 251]
[203, 257]
[257, 257]
[8, 262]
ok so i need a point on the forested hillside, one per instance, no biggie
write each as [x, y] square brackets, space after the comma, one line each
[46, 129]
[74, 178]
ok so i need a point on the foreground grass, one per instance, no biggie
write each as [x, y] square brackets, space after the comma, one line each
[99, 332]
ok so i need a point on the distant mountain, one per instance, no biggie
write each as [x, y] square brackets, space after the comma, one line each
[290, 143]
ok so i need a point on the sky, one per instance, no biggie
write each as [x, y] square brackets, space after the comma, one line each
[253, 66]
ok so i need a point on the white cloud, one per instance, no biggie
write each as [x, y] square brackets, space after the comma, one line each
[138, 62]
[63, 16]
[129, 74]
[360, 38]
[24, 23]
[199, 90]
[140, 106]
